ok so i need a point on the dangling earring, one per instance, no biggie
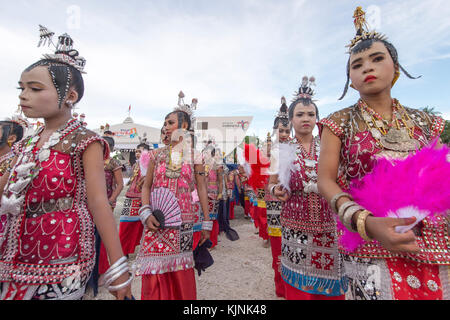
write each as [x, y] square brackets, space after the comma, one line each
[396, 76]
[69, 104]
[19, 110]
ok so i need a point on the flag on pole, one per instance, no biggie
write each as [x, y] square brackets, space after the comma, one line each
[129, 110]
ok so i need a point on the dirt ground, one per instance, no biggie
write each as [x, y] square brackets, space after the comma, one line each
[242, 269]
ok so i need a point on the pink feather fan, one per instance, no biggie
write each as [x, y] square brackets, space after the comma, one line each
[418, 186]
[144, 161]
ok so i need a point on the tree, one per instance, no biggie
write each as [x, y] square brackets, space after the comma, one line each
[445, 136]
[431, 111]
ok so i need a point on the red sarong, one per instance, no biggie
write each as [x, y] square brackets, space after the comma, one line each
[232, 204]
[413, 280]
[247, 207]
[275, 245]
[130, 234]
[261, 216]
[178, 285]
[214, 234]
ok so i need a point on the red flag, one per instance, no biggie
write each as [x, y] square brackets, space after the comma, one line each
[129, 108]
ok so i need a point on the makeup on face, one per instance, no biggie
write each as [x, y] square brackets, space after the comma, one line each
[38, 96]
[304, 119]
[372, 69]
[283, 132]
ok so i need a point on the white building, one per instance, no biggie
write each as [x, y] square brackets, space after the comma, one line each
[227, 132]
[127, 137]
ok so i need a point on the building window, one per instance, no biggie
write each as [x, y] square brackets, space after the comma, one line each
[202, 126]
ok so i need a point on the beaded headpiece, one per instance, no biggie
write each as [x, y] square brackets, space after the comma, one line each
[362, 30]
[282, 116]
[363, 33]
[189, 109]
[144, 140]
[305, 91]
[65, 53]
[64, 56]
[283, 112]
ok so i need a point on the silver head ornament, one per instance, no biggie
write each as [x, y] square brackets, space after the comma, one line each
[64, 51]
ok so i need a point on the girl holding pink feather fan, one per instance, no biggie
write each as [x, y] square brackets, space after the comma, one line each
[368, 152]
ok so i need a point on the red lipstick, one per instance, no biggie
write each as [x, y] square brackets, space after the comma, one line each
[370, 78]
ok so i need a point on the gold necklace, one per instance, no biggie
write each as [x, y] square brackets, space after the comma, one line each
[174, 161]
[399, 137]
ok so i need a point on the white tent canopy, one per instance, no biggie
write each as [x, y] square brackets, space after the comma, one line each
[127, 134]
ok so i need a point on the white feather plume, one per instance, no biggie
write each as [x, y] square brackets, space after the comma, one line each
[282, 160]
[408, 212]
[242, 162]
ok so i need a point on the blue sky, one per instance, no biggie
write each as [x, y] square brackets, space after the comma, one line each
[238, 57]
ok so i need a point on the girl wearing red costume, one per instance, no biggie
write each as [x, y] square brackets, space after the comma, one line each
[310, 263]
[388, 265]
[56, 191]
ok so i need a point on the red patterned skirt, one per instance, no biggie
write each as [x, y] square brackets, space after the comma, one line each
[396, 279]
[178, 285]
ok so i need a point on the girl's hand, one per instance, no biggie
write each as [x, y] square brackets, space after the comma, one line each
[152, 223]
[205, 235]
[383, 230]
[281, 193]
[124, 292]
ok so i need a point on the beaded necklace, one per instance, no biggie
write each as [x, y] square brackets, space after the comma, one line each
[397, 135]
[308, 162]
[174, 162]
[28, 167]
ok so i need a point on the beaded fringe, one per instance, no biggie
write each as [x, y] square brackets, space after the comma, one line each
[314, 285]
[158, 265]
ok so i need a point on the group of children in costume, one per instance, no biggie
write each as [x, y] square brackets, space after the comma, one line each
[332, 233]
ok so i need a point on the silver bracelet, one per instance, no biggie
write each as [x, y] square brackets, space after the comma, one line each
[116, 264]
[122, 285]
[334, 200]
[143, 215]
[117, 267]
[344, 207]
[207, 225]
[147, 206]
[272, 189]
[124, 268]
[348, 216]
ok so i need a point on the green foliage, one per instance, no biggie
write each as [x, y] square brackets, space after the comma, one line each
[431, 111]
[445, 136]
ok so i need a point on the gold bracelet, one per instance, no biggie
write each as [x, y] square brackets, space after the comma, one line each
[361, 224]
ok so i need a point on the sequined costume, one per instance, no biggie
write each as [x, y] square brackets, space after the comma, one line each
[261, 214]
[131, 228]
[48, 251]
[166, 256]
[374, 272]
[310, 258]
